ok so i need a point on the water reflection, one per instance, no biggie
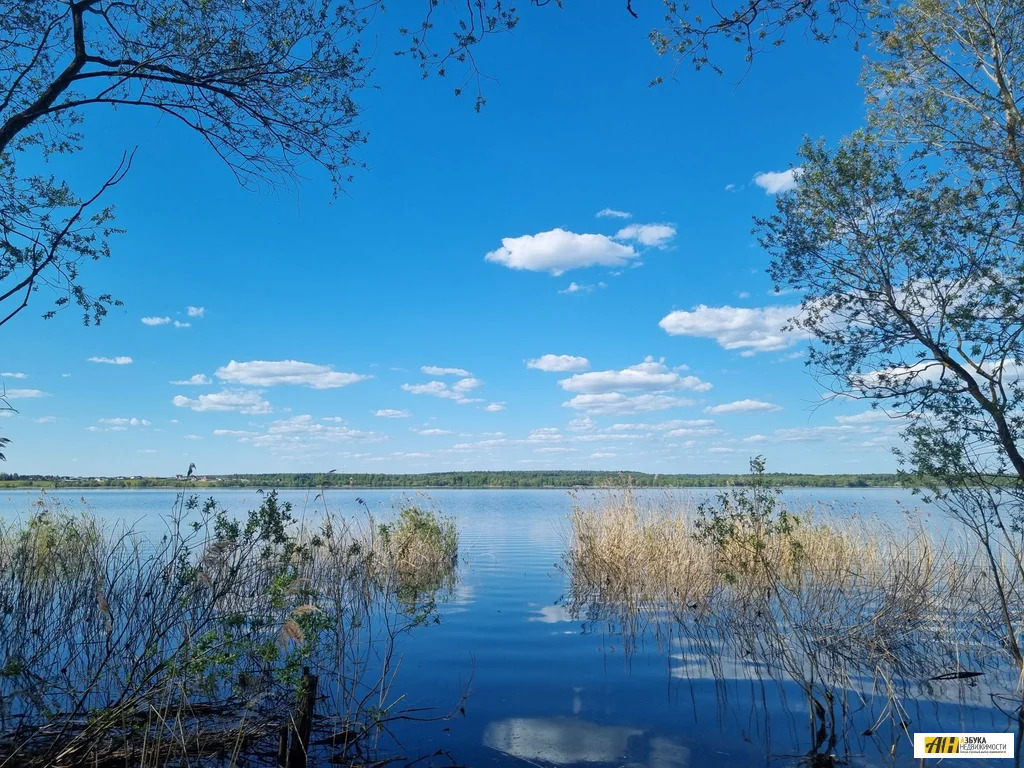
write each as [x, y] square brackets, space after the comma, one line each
[552, 614]
[569, 741]
[857, 638]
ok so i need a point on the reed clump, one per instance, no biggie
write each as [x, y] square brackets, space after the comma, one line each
[122, 649]
[857, 614]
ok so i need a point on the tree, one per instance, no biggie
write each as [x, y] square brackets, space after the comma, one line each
[268, 85]
[906, 243]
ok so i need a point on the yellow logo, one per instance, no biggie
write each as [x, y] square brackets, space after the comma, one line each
[942, 745]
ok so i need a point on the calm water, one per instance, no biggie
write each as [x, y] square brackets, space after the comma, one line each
[546, 689]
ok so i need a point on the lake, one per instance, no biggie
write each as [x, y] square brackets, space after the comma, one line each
[549, 688]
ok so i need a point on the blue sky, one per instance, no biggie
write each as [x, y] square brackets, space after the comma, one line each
[565, 280]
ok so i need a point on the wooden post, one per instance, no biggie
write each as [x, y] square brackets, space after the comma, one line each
[303, 724]
[282, 747]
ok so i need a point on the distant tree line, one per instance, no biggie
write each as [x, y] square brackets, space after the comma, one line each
[510, 479]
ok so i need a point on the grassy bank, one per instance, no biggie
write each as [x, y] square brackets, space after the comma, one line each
[191, 648]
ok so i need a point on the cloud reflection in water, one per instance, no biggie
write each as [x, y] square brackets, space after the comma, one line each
[567, 741]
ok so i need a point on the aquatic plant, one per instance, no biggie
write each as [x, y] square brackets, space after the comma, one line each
[198, 646]
[858, 615]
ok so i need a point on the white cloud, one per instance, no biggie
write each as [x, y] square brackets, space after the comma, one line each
[603, 455]
[808, 434]
[270, 373]
[14, 375]
[119, 360]
[554, 449]
[545, 435]
[299, 433]
[558, 363]
[664, 426]
[558, 250]
[193, 437]
[156, 320]
[495, 407]
[874, 416]
[239, 401]
[694, 432]
[743, 406]
[433, 370]
[392, 413]
[457, 392]
[46, 420]
[179, 324]
[123, 422]
[656, 235]
[649, 376]
[574, 287]
[196, 380]
[775, 182]
[23, 394]
[582, 424]
[616, 402]
[751, 330]
[611, 213]
[429, 432]
[233, 433]
[195, 311]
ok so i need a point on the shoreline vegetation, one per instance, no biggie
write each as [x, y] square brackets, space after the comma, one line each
[545, 479]
[206, 646]
[862, 618]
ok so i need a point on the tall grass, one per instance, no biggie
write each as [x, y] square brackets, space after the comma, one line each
[120, 649]
[858, 615]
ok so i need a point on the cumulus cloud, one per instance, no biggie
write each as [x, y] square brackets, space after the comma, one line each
[751, 330]
[195, 380]
[392, 413]
[743, 406]
[156, 320]
[239, 401]
[559, 250]
[195, 311]
[14, 375]
[457, 391]
[270, 373]
[611, 213]
[430, 432]
[495, 407]
[776, 182]
[119, 360]
[616, 403]
[656, 235]
[558, 363]
[24, 394]
[433, 370]
[179, 324]
[649, 376]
